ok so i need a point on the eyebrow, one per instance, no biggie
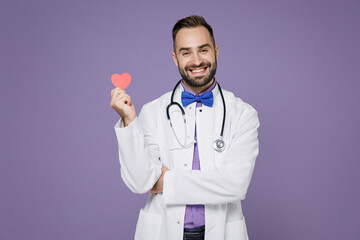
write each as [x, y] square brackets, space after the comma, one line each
[199, 47]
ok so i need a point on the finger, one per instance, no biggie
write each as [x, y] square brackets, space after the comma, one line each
[125, 99]
[117, 91]
[117, 97]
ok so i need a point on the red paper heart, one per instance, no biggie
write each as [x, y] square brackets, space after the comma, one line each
[122, 81]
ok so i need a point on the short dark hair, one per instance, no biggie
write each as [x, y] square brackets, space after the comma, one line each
[191, 22]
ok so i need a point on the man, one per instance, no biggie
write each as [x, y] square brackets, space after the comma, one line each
[196, 184]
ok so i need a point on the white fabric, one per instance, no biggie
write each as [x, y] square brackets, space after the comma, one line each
[148, 143]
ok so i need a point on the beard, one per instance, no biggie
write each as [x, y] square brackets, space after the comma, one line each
[198, 81]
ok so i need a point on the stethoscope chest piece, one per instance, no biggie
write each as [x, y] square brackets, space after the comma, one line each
[219, 145]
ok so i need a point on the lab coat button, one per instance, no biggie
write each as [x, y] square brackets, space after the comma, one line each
[178, 222]
[185, 165]
[200, 110]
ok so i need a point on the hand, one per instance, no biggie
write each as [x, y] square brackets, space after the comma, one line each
[121, 102]
[158, 187]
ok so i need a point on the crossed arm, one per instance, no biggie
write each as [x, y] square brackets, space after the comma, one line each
[223, 184]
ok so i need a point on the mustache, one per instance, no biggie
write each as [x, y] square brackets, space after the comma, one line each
[202, 64]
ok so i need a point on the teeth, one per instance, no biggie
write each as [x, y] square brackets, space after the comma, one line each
[199, 70]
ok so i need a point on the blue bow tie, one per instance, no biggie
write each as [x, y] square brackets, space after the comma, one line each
[187, 98]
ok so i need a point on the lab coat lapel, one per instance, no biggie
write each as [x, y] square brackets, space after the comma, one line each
[208, 125]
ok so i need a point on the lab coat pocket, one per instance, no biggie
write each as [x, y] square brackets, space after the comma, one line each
[236, 230]
[175, 158]
[148, 226]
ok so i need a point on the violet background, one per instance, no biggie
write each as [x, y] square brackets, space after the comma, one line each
[296, 62]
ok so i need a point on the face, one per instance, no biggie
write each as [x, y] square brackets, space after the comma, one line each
[195, 55]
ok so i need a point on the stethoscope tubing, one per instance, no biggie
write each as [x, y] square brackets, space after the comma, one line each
[183, 114]
[223, 100]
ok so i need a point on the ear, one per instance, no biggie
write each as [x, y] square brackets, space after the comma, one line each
[174, 58]
[216, 51]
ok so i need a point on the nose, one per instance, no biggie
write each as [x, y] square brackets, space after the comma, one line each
[197, 59]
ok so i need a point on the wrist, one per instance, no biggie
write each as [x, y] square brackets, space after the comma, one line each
[128, 120]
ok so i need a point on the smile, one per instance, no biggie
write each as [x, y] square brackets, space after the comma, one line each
[198, 71]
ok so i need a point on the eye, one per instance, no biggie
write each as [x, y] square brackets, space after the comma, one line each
[204, 50]
[185, 53]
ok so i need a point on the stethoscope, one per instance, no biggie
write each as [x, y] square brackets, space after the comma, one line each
[219, 144]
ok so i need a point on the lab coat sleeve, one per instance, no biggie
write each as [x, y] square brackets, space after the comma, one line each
[224, 184]
[138, 153]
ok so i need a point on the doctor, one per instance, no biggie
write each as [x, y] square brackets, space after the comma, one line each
[193, 149]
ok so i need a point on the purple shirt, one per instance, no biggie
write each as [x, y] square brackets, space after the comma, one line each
[195, 214]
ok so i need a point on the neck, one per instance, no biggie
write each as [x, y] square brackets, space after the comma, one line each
[198, 90]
